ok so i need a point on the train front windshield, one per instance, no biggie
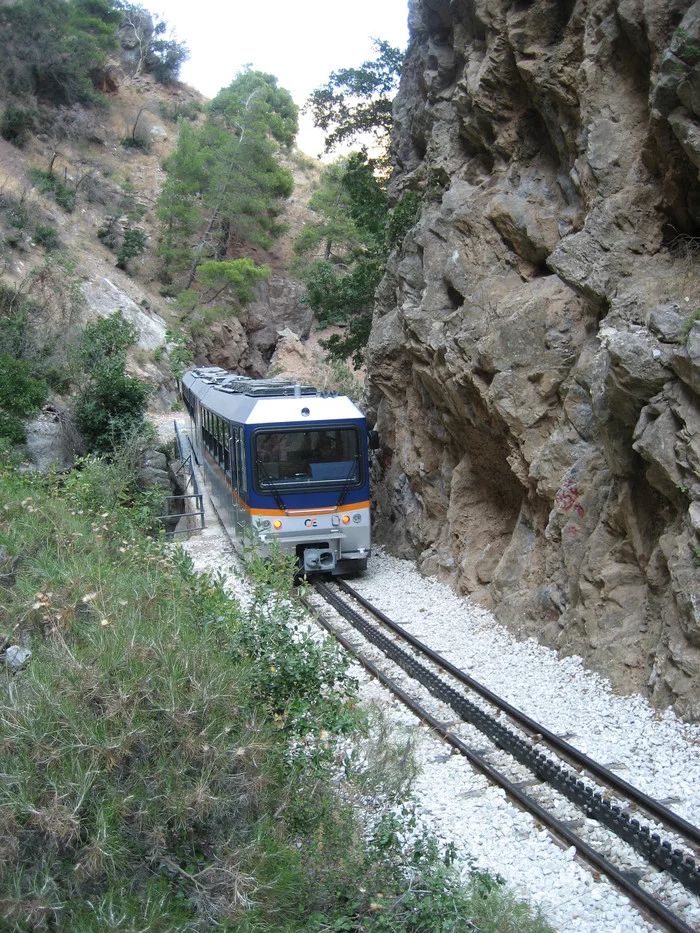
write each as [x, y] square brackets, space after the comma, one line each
[322, 457]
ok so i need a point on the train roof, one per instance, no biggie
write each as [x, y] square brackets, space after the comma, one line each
[266, 401]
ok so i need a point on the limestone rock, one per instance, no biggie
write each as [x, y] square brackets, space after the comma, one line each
[53, 439]
[104, 299]
[278, 306]
[533, 366]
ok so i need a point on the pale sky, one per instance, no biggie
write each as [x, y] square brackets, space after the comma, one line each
[299, 41]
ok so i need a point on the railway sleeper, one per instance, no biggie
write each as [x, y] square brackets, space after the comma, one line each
[682, 868]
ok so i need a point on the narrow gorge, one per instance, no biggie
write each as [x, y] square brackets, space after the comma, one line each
[534, 362]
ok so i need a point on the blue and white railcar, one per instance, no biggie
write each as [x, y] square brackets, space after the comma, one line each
[284, 463]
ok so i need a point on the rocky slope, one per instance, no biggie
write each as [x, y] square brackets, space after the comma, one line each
[534, 364]
[89, 157]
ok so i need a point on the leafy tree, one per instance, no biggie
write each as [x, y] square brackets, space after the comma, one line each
[133, 244]
[358, 101]
[39, 320]
[340, 286]
[179, 207]
[157, 55]
[167, 58]
[110, 405]
[51, 48]
[21, 396]
[106, 338]
[341, 291]
[225, 179]
[333, 232]
[353, 202]
[222, 288]
[235, 280]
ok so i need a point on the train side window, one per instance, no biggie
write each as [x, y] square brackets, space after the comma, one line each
[222, 444]
[242, 467]
[217, 438]
[205, 428]
[227, 449]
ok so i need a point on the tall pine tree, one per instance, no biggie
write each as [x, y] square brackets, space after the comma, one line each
[225, 177]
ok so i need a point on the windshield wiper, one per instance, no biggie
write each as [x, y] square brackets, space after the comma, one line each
[348, 480]
[279, 501]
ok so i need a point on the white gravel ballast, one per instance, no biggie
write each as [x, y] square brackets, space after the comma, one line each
[650, 749]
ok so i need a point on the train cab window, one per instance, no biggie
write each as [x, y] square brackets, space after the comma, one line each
[322, 457]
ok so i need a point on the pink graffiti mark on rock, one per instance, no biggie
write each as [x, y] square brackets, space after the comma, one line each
[567, 495]
[567, 498]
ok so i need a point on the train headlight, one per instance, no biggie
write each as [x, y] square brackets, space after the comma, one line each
[277, 524]
[346, 519]
[265, 523]
[357, 518]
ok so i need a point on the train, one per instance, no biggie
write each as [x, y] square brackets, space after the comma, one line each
[287, 467]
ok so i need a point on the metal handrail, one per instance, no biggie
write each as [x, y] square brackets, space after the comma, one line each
[187, 466]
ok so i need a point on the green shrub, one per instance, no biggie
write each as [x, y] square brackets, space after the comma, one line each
[688, 324]
[65, 197]
[133, 244]
[16, 124]
[18, 216]
[179, 352]
[343, 380]
[403, 217]
[179, 110]
[110, 407]
[48, 182]
[44, 181]
[136, 142]
[46, 236]
[106, 337]
[21, 396]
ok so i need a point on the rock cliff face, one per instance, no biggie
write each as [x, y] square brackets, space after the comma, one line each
[535, 359]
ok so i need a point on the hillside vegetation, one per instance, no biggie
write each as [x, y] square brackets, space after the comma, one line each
[175, 760]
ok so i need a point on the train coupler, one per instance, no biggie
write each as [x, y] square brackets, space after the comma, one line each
[318, 561]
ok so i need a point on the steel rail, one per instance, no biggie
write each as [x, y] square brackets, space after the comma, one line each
[648, 903]
[644, 801]
[658, 852]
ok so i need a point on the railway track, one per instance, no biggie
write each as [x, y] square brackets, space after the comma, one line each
[646, 850]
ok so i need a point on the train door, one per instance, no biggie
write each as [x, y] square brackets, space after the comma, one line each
[240, 480]
[197, 421]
